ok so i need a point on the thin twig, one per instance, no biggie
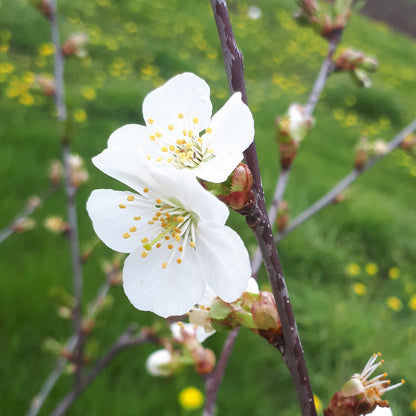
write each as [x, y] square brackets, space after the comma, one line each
[53, 377]
[30, 207]
[214, 380]
[126, 340]
[258, 221]
[324, 73]
[345, 182]
[70, 191]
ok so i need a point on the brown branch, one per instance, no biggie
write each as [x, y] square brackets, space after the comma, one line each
[30, 207]
[126, 340]
[258, 221]
[326, 70]
[345, 182]
[70, 191]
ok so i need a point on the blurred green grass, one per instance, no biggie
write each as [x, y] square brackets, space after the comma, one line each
[135, 46]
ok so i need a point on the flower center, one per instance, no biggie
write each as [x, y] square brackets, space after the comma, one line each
[171, 226]
[183, 149]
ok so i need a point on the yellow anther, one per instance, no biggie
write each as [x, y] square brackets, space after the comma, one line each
[180, 249]
[209, 130]
[148, 157]
[122, 206]
[150, 121]
[189, 145]
[210, 150]
[144, 254]
[192, 244]
[195, 120]
[164, 149]
[130, 198]
[179, 261]
[133, 229]
[158, 135]
[164, 265]
[170, 127]
[170, 246]
[199, 140]
[184, 132]
[159, 159]
[177, 237]
[146, 190]
[180, 115]
[137, 218]
[158, 200]
[171, 147]
[152, 137]
[190, 133]
[145, 240]
[155, 218]
[150, 222]
[158, 214]
[167, 237]
[126, 235]
[169, 160]
[158, 245]
[180, 219]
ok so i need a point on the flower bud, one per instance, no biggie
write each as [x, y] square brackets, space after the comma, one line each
[204, 360]
[265, 314]
[79, 174]
[409, 143]
[283, 216]
[56, 225]
[161, 363]
[56, 171]
[74, 45]
[23, 224]
[236, 192]
[44, 84]
[44, 6]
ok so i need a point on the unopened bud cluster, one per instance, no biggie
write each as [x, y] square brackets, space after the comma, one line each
[236, 192]
[366, 150]
[182, 349]
[292, 128]
[75, 45]
[358, 65]
[78, 173]
[328, 18]
[283, 216]
[409, 144]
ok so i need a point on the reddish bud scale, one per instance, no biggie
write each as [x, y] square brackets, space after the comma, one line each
[288, 153]
[361, 158]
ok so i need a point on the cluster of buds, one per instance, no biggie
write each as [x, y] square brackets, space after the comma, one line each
[328, 18]
[168, 361]
[358, 65]
[283, 216]
[409, 144]
[56, 225]
[255, 310]
[292, 128]
[78, 173]
[22, 225]
[236, 192]
[44, 6]
[361, 395]
[367, 150]
[44, 84]
[75, 45]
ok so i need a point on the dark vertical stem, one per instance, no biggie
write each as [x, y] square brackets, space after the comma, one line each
[258, 221]
[70, 191]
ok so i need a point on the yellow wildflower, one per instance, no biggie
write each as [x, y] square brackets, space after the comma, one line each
[394, 303]
[412, 304]
[353, 269]
[80, 115]
[394, 273]
[360, 289]
[46, 49]
[371, 269]
[191, 398]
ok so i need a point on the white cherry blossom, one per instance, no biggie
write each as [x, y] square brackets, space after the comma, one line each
[181, 134]
[174, 231]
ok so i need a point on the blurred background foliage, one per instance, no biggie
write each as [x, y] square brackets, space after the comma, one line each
[350, 269]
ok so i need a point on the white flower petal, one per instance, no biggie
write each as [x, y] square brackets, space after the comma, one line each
[381, 411]
[232, 126]
[186, 94]
[134, 170]
[252, 286]
[221, 166]
[157, 363]
[130, 136]
[166, 292]
[113, 224]
[198, 332]
[224, 259]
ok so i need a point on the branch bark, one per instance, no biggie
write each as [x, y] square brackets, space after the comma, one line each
[258, 221]
[126, 340]
[345, 182]
[70, 191]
